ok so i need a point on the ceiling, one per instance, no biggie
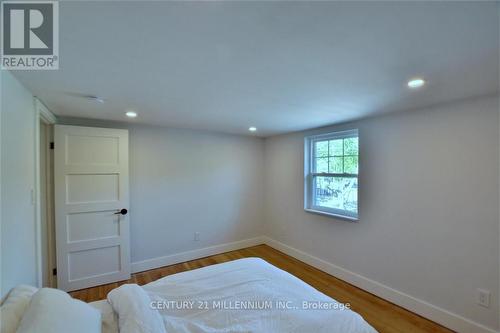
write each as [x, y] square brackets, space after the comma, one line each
[279, 66]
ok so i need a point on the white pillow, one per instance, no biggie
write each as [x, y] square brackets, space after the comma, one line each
[54, 311]
[133, 306]
[13, 307]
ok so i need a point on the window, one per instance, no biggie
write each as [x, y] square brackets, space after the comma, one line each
[331, 174]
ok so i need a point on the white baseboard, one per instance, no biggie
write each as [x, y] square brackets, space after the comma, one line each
[153, 263]
[422, 308]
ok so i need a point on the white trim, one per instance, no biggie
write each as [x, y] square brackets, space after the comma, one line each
[498, 106]
[38, 219]
[3, 293]
[309, 167]
[337, 216]
[348, 133]
[144, 265]
[441, 316]
[44, 113]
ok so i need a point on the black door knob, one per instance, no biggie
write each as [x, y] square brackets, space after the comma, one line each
[122, 211]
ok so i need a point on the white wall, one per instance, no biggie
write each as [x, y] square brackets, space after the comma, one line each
[17, 178]
[184, 181]
[428, 205]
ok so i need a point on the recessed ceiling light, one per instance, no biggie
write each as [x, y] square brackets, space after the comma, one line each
[416, 83]
[131, 114]
[252, 129]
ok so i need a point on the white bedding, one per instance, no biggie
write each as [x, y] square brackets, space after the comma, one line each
[213, 299]
[108, 316]
[133, 306]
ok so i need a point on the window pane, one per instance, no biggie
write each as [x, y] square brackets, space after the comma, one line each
[351, 164]
[351, 146]
[321, 149]
[336, 165]
[336, 192]
[336, 147]
[322, 164]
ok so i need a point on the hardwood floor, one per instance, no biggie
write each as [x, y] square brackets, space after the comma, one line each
[384, 316]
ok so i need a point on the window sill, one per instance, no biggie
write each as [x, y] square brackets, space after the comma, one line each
[333, 215]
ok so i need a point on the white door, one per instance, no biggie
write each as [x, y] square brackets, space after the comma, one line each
[91, 199]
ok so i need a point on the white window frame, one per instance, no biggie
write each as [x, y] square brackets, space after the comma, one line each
[309, 160]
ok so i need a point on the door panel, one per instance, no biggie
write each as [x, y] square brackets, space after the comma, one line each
[91, 186]
[92, 225]
[104, 260]
[92, 150]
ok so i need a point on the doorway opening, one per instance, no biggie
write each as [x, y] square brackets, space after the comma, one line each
[46, 195]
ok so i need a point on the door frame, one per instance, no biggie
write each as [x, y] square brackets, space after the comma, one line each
[42, 114]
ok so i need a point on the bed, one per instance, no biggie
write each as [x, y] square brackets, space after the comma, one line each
[246, 295]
